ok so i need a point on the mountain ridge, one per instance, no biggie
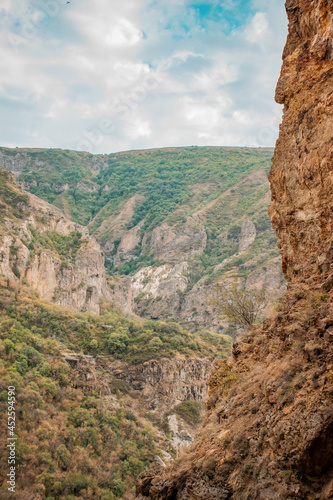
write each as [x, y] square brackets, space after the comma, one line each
[151, 200]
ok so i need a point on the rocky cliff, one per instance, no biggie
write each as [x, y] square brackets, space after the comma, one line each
[301, 177]
[268, 432]
[176, 285]
[173, 223]
[55, 256]
[154, 391]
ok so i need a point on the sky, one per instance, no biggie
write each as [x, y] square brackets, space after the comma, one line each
[110, 75]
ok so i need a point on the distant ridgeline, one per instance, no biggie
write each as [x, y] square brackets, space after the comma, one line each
[203, 209]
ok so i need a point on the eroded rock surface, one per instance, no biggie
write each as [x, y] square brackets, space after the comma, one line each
[80, 283]
[268, 432]
[301, 177]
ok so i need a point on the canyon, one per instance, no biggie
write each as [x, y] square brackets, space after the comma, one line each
[70, 351]
[267, 432]
[166, 256]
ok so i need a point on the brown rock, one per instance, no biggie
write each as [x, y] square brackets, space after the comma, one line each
[275, 396]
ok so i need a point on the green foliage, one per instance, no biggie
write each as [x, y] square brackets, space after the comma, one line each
[65, 246]
[21, 365]
[35, 322]
[190, 411]
[12, 201]
[63, 456]
[69, 440]
[171, 185]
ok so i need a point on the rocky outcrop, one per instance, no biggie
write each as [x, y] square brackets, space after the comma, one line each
[114, 228]
[247, 236]
[301, 177]
[153, 389]
[174, 243]
[80, 283]
[166, 382]
[268, 432]
[199, 306]
[158, 291]
[165, 292]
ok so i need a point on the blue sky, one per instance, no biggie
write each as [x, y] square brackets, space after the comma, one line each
[107, 76]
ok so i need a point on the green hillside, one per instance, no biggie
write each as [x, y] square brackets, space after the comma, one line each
[71, 444]
[174, 184]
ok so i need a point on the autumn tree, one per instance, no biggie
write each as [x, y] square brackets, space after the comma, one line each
[238, 305]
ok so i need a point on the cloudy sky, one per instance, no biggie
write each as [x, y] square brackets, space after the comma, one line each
[111, 75]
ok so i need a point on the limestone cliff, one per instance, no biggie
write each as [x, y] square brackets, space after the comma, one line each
[268, 432]
[31, 250]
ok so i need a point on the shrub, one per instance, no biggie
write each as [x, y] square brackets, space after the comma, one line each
[63, 456]
[190, 411]
[80, 416]
[239, 305]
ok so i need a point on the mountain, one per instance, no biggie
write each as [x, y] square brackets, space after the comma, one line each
[268, 429]
[99, 395]
[172, 223]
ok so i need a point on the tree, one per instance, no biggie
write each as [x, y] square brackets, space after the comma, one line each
[239, 305]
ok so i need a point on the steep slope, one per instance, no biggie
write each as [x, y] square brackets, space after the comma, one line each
[97, 398]
[56, 256]
[268, 432]
[176, 221]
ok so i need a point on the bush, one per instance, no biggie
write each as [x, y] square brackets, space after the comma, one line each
[80, 416]
[155, 344]
[21, 365]
[63, 456]
[190, 411]
[9, 346]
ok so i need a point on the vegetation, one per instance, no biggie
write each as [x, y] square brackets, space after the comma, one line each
[172, 184]
[163, 176]
[240, 306]
[13, 202]
[71, 445]
[190, 411]
[65, 246]
[113, 334]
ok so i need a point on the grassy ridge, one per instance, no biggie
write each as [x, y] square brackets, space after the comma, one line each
[164, 176]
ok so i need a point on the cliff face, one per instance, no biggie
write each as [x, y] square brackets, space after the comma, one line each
[174, 224]
[302, 174]
[32, 249]
[166, 382]
[268, 432]
[176, 285]
[152, 390]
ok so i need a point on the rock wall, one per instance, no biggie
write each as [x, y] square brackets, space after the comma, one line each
[80, 284]
[164, 383]
[165, 292]
[302, 174]
[151, 390]
[268, 432]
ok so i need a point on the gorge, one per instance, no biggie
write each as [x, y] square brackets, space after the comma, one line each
[267, 433]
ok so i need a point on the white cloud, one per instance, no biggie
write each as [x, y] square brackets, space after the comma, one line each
[258, 28]
[148, 67]
[124, 34]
